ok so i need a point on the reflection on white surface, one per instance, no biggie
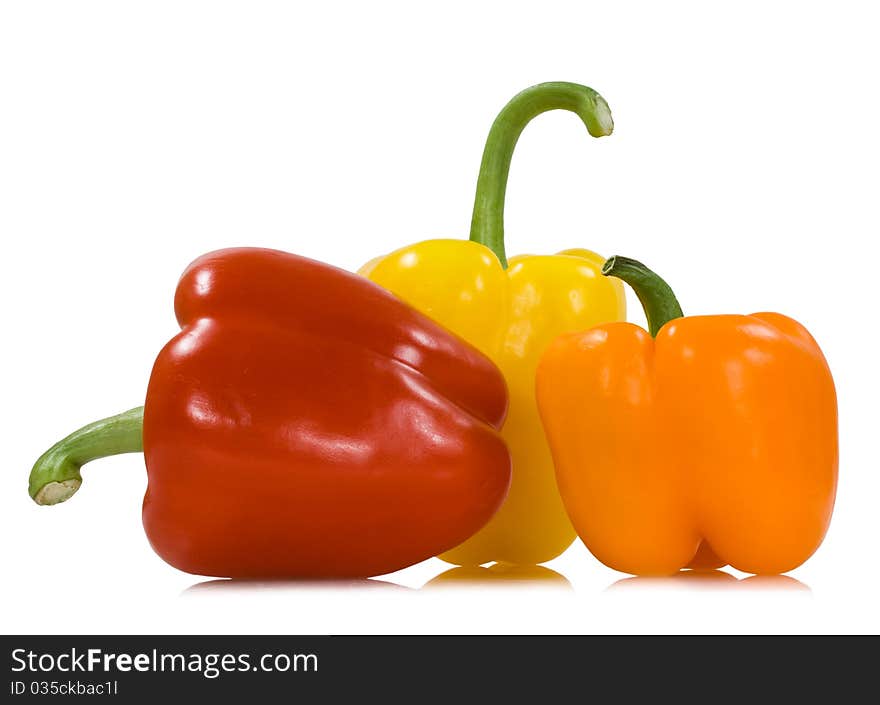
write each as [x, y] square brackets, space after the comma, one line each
[499, 575]
[231, 586]
[709, 580]
[501, 578]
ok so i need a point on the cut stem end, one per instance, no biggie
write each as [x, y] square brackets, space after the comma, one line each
[56, 492]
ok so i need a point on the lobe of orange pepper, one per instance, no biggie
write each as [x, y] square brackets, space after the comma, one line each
[713, 444]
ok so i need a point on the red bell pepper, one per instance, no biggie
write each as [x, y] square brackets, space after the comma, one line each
[304, 423]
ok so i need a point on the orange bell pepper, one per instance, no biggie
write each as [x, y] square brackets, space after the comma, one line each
[711, 441]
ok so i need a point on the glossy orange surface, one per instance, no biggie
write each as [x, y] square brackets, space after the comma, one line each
[714, 444]
[307, 423]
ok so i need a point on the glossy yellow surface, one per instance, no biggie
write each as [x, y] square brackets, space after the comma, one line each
[511, 316]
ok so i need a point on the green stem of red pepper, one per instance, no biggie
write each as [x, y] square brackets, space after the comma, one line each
[55, 477]
[487, 223]
[655, 295]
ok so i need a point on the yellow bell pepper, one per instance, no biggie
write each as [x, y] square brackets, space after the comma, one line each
[511, 311]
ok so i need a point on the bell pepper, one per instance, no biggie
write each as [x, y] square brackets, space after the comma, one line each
[303, 423]
[511, 311]
[711, 440]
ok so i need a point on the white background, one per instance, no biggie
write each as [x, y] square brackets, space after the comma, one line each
[135, 136]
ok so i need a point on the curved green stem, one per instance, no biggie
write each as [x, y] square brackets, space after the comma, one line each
[55, 476]
[655, 295]
[487, 223]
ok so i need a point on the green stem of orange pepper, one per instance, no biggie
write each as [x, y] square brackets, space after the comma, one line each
[487, 223]
[654, 293]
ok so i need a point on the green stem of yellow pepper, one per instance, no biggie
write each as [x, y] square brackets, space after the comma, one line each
[487, 223]
[654, 293]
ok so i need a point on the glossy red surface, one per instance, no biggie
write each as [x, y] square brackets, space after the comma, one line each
[305, 422]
